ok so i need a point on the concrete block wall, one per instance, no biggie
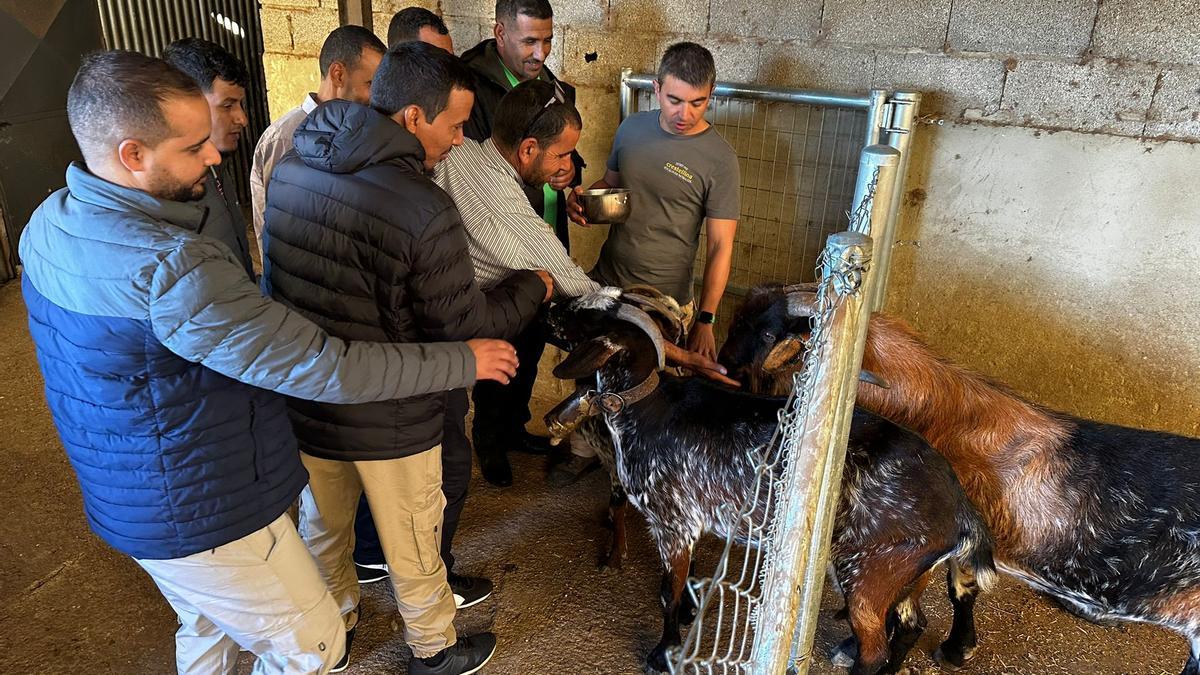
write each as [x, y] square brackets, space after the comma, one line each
[1049, 229]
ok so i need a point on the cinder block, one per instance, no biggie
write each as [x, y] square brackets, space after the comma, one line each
[466, 32]
[1059, 27]
[661, 16]
[1175, 111]
[483, 9]
[291, 3]
[277, 30]
[1148, 31]
[800, 66]
[951, 85]
[1100, 96]
[581, 12]
[390, 7]
[767, 19]
[310, 28]
[289, 79]
[917, 24]
[595, 57]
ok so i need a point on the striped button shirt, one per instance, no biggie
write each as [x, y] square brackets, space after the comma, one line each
[504, 233]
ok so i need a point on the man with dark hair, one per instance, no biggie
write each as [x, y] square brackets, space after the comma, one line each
[682, 176]
[223, 79]
[348, 61]
[535, 132]
[417, 24]
[524, 31]
[164, 366]
[360, 238]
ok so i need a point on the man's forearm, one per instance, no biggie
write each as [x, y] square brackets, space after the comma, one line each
[716, 276]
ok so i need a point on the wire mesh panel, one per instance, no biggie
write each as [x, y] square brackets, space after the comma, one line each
[769, 569]
[798, 167]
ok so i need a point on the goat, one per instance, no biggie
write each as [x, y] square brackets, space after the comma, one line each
[1103, 518]
[682, 450]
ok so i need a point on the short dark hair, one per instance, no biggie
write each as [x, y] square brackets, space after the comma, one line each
[517, 110]
[345, 45]
[406, 25]
[119, 94]
[417, 73]
[507, 10]
[205, 61]
[689, 62]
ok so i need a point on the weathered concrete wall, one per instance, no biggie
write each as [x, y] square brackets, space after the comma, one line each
[1049, 192]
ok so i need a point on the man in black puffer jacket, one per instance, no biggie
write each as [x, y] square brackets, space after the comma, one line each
[359, 238]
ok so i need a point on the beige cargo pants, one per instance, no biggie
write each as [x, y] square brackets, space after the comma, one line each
[406, 500]
[261, 592]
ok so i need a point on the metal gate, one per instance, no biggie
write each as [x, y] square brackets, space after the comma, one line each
[799, 156]
[149, 26]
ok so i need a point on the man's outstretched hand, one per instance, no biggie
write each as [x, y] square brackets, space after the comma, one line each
[495, 360]
[701, 364]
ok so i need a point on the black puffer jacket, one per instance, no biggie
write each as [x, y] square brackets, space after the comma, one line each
[490, 86]
[360, 240]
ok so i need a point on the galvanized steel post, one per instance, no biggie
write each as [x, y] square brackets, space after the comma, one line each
[904, 105]
[626, 94]
[800, 543]
[876, 181]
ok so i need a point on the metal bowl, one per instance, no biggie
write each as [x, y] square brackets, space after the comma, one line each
[609, 206]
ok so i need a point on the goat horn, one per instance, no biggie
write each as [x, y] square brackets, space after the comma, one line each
[641, 319]
[801, 302]
[659, 307]
[807, 287]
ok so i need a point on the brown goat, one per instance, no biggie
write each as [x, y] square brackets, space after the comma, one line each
[1104, 518]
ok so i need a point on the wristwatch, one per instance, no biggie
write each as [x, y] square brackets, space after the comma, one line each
[706, 317]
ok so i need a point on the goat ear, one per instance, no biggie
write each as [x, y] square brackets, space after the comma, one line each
[782, 354]
[586, 359]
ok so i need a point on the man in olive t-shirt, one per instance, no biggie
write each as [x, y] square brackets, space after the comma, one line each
[681, 175]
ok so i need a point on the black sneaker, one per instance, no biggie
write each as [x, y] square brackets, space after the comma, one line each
[464, 657]
[369, 574]
[345, 662]
[469, 591]
[530, 444]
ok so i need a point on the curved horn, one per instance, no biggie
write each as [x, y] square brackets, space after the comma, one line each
[676, 329]
[641, 319]
[801, 302]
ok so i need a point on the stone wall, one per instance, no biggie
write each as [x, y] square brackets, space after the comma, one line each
[1049, 233]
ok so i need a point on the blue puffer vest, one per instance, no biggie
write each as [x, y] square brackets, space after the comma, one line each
[172, 457]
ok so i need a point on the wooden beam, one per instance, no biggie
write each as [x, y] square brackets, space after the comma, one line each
[357, 12]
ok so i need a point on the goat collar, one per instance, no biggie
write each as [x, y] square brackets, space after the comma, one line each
[614, 402]
[572, 411]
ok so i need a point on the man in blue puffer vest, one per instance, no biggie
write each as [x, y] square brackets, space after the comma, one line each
[162, 361]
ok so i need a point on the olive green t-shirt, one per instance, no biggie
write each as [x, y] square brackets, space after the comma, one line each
[675, 182]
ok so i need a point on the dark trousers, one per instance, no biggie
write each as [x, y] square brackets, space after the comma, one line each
[456, 478]
[501, 411]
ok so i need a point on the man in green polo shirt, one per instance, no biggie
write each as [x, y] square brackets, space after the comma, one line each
[524, 32]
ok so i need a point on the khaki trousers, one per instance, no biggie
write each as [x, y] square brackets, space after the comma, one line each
[406, 500]
[261, 592]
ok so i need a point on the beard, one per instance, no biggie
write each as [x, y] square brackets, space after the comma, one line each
[171, 189]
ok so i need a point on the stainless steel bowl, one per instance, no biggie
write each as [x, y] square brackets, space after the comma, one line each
[609, 206]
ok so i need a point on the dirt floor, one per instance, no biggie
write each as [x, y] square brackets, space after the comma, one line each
[69, 604]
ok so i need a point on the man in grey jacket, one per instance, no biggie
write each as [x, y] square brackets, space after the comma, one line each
[161, 361]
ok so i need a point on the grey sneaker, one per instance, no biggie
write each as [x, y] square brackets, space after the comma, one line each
[464, 657]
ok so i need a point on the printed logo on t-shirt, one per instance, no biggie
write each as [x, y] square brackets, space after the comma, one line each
[679, 171]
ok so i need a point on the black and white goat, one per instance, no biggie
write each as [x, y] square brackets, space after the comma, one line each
[1104, 518]
[681, 450]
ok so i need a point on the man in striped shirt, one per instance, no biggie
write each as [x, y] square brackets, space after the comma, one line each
[535, 131]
